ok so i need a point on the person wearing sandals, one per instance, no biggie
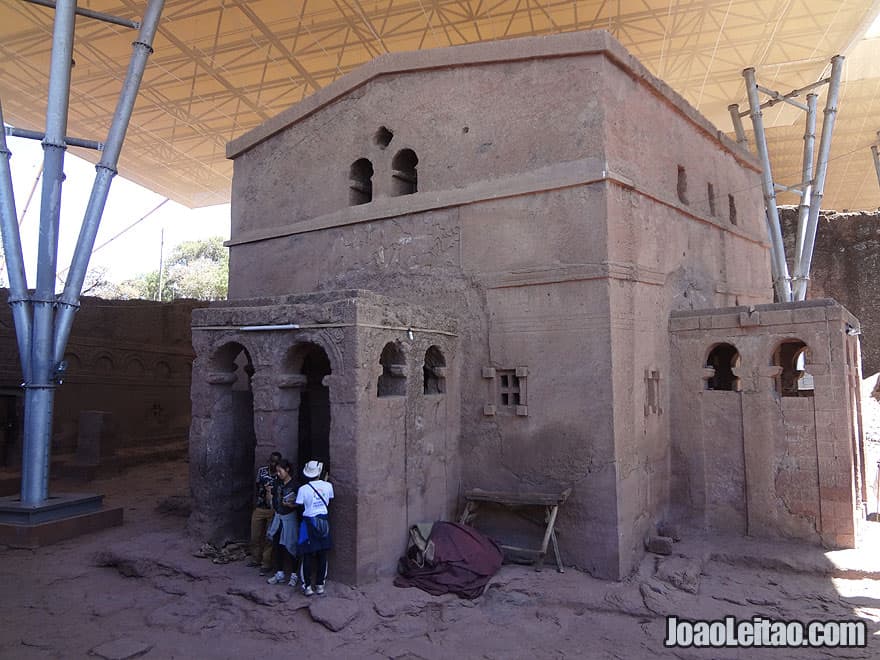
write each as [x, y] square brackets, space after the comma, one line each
[283, 530]
[314, 530]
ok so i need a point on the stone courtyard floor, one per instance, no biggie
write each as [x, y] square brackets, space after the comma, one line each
[138, 591]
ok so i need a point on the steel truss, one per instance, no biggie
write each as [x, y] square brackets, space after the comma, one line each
[812, 185]
[42, 320]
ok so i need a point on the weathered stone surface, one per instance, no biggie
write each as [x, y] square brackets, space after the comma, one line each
[121, 649]
[846, 262]
[114, 345]
[769, 450]
[334, 613]
[681, 573]
[175, 505]
[262, 596]
[543, 266]
[669, 529]
[660, 545]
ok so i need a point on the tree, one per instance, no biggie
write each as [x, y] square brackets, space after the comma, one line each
[194, 269]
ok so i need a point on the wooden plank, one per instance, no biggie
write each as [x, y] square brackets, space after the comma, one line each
[514, 499]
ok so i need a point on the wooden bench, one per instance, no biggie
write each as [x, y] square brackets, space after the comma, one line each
[550, 502]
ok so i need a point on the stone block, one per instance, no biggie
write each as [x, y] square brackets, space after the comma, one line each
[775, 317]
[659, 545]
[678, 324]
[809, 314]
[749, 319]
[96, 437]
[669, 529]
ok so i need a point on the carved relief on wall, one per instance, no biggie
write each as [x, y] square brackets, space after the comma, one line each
[429, 239]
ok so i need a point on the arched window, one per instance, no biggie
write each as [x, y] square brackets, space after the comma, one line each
[392, 382]
[723, 358]
[361, 185]
[682, 187]
[794, 380]
[434, 371]
[404, 174]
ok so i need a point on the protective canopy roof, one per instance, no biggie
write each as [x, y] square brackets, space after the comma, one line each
[222, 67]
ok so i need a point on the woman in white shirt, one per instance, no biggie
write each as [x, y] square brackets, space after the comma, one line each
[314, 531]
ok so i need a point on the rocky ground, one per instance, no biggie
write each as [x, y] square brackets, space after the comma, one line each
[138, 591]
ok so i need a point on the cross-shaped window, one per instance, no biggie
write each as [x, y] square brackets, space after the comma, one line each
[508, 388]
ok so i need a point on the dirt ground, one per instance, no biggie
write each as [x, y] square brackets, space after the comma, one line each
[138, 591]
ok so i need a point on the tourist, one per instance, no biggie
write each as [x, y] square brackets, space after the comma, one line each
[314, 532]
[261, 547]
[282, 531]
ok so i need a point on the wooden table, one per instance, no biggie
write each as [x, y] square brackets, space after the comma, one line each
[550, 502]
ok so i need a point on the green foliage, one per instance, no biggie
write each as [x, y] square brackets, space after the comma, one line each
[194, 269]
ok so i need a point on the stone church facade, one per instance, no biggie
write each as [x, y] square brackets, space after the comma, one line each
[522, 265]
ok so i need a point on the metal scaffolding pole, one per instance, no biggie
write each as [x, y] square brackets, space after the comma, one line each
[40, 387]
[736, 119]
[781, 279]
[818, 188]
[18, 293]
[811, 187]
[42, 339]
[807, 185]
[68, 303]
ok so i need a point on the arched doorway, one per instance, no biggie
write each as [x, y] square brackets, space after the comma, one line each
[313, 423]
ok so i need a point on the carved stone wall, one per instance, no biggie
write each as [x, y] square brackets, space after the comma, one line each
[392, 452]
[130, 358]
[557, 230]
[759, 453]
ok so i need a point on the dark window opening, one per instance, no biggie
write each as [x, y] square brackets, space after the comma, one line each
[392, 382]
[313, 423]
[710, 192]
[383, 137]
[404, 174]
[361, 182]
[682, 185]
[723, 359]
[794, 380]
[652, 392]
[509, 388]
[731, 204]
[434, 371]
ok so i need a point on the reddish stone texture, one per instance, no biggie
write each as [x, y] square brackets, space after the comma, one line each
[129, 358]
[846, 261]
[796, 461]
[554, 221]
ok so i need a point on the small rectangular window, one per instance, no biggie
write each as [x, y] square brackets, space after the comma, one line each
[507, 391]
[508, 387]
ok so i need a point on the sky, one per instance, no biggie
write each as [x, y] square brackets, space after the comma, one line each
[135, 251]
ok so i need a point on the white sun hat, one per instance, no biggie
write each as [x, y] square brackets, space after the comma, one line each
[313, 469]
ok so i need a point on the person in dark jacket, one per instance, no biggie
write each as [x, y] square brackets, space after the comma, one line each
[283, 530]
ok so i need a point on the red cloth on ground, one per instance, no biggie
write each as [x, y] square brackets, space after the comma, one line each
[464, 561]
